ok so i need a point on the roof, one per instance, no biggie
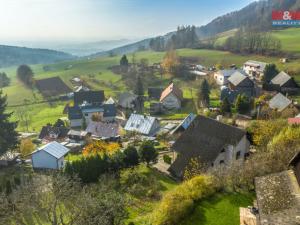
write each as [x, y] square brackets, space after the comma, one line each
[281, 78]
[77, 133]
[154, 92]
[109, 110]
[61, 132]
[81, 88]
[74, 113]
[171, 89]
[186, 122]
[91, 97]
[226, 73]
[259, 65]
[54, 148]
[237, 77]
[110, 101]
[103, 130]
[140, 123]
[295, 120]
[204, 139]
[52, 86]
[278, 198]
[125, 97]
[295, 159]
[279, 102]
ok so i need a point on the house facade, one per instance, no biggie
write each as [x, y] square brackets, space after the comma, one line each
[171, 97]
[49, 156]
[221, 76]
[240, 83]
[254, 68]
[284, 83]
[210, 142]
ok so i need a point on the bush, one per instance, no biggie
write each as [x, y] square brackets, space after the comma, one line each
[177, 204]
[167, 159]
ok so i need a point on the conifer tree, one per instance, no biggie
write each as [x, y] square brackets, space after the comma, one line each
[203, 94]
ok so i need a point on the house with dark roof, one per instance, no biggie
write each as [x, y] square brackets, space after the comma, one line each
[210, 142]
[240, 83]
[89, 97]
[185, 123]
[171, 97]
[284, 83]
[221, 76]
[51, 133]
[154, 93]
[278, 196]
[142, 124]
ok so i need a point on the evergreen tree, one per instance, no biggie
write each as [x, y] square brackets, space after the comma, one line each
[124, 61]
[8, 134]
[225, 106]
[139, 87]
[203, 94]
[242, 104]
[131, 156]
[269, 73]
[147, 152]
[4, 80]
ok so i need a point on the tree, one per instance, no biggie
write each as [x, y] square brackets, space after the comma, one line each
[26, 147]
[170, 61]
[139, 87]
[269, 73]
[203, 94]
[242, 104]
[124, 61]
[25, 74]
[8, 133]
[59, 123]
[225, 106]
[131, 156]
[4, 80]
[147, 152]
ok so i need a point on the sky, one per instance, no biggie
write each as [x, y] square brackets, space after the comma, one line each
[93, 20]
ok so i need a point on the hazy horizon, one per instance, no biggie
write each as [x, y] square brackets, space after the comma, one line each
[82, 21]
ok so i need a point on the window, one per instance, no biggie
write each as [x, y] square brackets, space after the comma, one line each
[222, 162]
[223, 150]
[238, 155]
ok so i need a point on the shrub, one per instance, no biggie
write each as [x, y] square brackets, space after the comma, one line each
[167, 159]
[178, 203]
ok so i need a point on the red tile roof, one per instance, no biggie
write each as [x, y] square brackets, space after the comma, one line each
[171, 89]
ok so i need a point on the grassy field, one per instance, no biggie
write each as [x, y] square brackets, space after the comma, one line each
[221, 209]
[97, 74]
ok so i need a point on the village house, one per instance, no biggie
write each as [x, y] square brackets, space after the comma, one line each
[171, 97]
[278, 196]
[280, 103]
[154, 93]
[51, 133]
[142, 124]
[184, 124]
[104, 131]
[89, 98]
[127, 100]
[210, 142]
[254, 68]
[76, 136]
[284, 83]
[221, 76]
[49, 156]
[240, 83]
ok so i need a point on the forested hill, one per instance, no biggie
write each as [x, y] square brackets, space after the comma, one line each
[256, 15]
[11, 55]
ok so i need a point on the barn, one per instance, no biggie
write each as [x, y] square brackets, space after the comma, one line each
[49, 156]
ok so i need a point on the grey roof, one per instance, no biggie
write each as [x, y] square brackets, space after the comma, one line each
[278, 199]
[127, 99]
[281, 78]
[110, 101]
[237, 77]
[103, 130]
[226, 73]
[260, 65]
[279, 102]
[61, 132]
[77, 133]
[54, 148]
[204, 139]
[140, 123]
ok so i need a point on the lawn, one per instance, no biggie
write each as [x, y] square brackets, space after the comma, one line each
[220, 209]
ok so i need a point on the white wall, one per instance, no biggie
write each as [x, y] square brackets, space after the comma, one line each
[171, 102]
[42, 159]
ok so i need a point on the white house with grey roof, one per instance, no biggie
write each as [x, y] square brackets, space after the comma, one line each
[145, 125]
[49, 156]
[222, 76]
[254, 68]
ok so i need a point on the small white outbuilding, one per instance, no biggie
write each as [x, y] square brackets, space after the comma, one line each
[49, 156]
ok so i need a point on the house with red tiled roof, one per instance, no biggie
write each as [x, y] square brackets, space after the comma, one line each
[171, 97]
